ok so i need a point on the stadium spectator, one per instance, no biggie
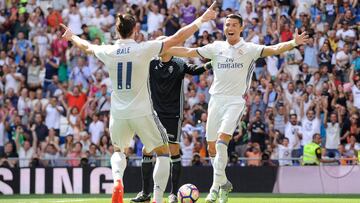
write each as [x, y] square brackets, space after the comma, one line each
[75, 155]
[6, 157]
[26, 149]
[96, 129]
[53, 114]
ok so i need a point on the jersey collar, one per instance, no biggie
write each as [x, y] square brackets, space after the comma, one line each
[237, 45]
[119, 41]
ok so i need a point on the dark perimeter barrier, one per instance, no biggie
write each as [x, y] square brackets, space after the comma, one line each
[99, 180]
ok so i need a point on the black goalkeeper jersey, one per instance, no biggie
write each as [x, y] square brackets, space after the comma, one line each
[166, 85]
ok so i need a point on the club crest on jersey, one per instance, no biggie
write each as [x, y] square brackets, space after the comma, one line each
[171, 69]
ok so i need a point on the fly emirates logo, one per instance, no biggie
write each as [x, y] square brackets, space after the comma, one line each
[229, 64]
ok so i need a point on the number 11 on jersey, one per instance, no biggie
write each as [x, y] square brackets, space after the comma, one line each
[120, 75]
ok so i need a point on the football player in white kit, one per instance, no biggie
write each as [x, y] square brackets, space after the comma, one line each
[233, 64]
[131, 108]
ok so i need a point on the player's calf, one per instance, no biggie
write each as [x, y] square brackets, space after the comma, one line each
[161, 172]
[212, 150]
[118, 165]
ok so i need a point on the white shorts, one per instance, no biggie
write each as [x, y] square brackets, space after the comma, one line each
[224, 114]
[148, 128]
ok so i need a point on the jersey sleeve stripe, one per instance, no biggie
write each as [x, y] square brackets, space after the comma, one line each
[262, 50]
[162, 47]
[197, 51]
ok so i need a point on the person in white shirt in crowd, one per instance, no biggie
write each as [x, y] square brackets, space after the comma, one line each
[74, 20]
[155, 18]
[285, 151]
[85, 140]
[3, 139]
[249, 14]
[97, 20]
[187, 146]
[53, 114]
[342, 58]
[24, 105]
[107, 20]
[12, 79]
[293, 59]
[355, 89]
[96, 129]
[39, 99]
[51, 156]
[345, 34]
[293, 132]
[87, 11]
[103, 100]
[332, 129]
[353, 147]
[26, 150]
[81, 73]
[311, 122]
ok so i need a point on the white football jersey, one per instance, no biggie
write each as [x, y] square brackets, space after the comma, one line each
[128, 63]
[233, 66]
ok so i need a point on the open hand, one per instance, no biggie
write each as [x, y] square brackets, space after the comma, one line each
[68, 33]
[210, 13]
[300, 39]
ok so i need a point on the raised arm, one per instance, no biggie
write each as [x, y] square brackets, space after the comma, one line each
[17, 137]
[185, 32]
[34, 137]
[325, 117]
[285, 46]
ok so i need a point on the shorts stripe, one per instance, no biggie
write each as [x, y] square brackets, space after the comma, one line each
[179, 131]
[156, 118]
[161, 129]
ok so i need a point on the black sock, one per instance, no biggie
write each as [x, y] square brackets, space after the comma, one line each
[175, 173]
[147, 171]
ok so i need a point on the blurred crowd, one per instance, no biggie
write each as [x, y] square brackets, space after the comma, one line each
[55, 100]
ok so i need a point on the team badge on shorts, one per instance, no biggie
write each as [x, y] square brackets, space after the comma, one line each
[171, 69]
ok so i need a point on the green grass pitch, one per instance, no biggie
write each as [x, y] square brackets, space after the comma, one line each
[234, 198]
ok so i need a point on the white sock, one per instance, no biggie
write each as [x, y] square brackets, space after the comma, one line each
[212, 159]
[118, 165]
[220, 163]
[161, 176]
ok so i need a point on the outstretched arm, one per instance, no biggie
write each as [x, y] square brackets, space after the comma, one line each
[183, 52]
[197, 70]
[77, 41]
[285, 46]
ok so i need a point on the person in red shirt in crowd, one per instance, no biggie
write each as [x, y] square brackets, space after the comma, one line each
[286, 34]
[54, 18]
[58, 46]
[76, 98]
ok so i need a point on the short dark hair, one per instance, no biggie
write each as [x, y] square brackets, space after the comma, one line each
[125, 25]
[235, 16]
[316, 134]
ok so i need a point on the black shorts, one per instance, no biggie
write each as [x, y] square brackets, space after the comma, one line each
[173, 128]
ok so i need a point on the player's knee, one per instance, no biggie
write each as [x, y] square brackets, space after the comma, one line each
[145, 153]
[117, 149]
[225, 138]
[162, 150]
[174, 149]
